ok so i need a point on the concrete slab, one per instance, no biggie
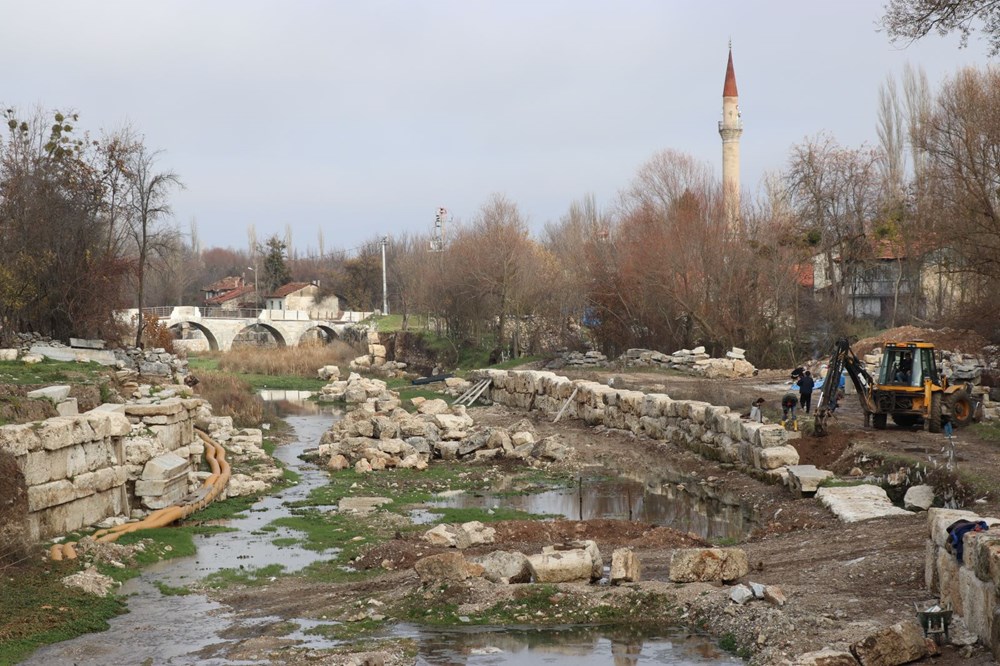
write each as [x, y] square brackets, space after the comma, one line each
[81, 343]
[855, 503]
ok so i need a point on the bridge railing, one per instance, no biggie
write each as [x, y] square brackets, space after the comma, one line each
[160, 311]
[222, 313]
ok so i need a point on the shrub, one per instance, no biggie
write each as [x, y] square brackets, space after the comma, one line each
[231, 396]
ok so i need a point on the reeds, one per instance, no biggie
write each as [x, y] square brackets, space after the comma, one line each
[301, 361]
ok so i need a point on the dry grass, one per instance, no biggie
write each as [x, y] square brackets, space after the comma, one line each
[231, 396]
[301, 361]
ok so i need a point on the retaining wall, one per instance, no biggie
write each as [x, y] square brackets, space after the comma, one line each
[971, 587]
[82, 469]
[710, 430]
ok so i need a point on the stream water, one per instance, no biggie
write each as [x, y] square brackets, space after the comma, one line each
[161, 629]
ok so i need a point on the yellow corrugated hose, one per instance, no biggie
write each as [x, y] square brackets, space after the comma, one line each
[221, 471]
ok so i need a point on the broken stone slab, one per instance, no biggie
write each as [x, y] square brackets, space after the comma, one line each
[856, 503]
[690, 565]
[8, 354]
[899, 644]
[362, 505]
[56, 393]
[919, 498]
[806, 479]
[625, 566]
[562, 566]
[502, 566]
[775, 595]
[102, 356]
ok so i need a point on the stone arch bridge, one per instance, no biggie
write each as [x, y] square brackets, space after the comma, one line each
[220, 327]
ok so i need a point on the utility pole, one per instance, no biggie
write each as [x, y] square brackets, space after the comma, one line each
[437, 243]
[385, 294]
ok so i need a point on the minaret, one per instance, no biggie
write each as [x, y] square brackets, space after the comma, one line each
[730, 129]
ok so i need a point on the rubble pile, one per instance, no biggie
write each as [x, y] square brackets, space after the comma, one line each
[575, 359]
[378, 433]
[693, 361]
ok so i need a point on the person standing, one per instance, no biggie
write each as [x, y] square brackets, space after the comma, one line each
[806, 385]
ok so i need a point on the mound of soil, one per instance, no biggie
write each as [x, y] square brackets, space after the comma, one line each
[947, 339]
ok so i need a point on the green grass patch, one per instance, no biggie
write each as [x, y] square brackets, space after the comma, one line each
[36, 609]
[987, 430]
[234, 507]
[51, 372]
[346, 631]
[252, 577]
[284, 542]
[516, 362]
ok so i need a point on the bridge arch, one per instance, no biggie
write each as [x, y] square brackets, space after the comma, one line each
[213, 342]
[279, 337]
[324, 332]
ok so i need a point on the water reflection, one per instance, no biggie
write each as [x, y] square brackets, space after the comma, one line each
[668, 501]
[622, 646]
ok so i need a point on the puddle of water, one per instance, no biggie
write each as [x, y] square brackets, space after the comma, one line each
[661, 502]
[565, 645]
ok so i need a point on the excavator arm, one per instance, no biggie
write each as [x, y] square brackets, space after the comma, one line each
[843, 358]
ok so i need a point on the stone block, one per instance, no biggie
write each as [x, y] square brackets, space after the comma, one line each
[769, 435]
[979, 598]
[164, 466]
[54, 393]
[825, 657]
[774, 457]
[982, 555]
[561, 566]
[67, 407]
[625, 566]
[164, 408]
[938, 521]
[50, 494]
[805, 479]
[56, 433]
[689, 565]
[503, 566]
[8, 354]
[450, 566]
[918, 498]
[19, 439]
[891, 646]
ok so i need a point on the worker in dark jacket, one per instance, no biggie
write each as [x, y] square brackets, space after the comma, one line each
[788, 404]
[806, 385]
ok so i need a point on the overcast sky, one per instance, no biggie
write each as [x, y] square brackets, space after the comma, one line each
[361, 117]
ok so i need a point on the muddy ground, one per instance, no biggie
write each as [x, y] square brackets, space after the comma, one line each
[842, 581]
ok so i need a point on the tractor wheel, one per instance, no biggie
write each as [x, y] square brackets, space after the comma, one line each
[960, 407]
[878, 420]
[934, 420]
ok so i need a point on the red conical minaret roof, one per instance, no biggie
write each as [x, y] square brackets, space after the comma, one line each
[729, 89]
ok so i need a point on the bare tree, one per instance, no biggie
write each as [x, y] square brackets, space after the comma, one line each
[148, 203]
[909, 20]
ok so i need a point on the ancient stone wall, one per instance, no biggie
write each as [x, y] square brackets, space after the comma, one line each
[82, 469]
[970, 587]
[710, 430]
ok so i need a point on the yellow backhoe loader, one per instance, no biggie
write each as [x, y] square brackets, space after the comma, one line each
[908, 387]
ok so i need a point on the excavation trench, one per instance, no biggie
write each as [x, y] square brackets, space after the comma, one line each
[190, 629]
